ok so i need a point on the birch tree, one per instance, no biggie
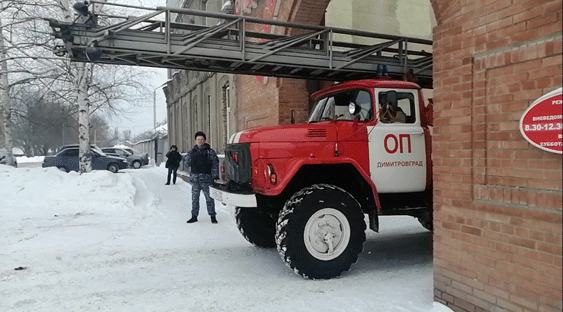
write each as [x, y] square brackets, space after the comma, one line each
[86, 88]
[6, 107]
[81, 74]
[18, 17]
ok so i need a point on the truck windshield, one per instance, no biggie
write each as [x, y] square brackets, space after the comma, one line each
[336, 107]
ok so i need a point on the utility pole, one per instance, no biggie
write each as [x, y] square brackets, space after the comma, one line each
[154, 121]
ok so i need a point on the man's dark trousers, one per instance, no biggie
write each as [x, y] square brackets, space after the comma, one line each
[201, 182]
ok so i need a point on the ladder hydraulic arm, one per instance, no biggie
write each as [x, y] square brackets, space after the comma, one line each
[234, 46]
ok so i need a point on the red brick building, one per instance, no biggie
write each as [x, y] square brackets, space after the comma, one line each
[498, 209]
[497, 244]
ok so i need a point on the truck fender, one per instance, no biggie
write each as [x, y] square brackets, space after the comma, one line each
[336, 161]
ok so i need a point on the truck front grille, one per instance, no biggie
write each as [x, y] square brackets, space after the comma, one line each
[238, 169]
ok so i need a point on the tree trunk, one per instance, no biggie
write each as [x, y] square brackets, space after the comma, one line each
[82, 74]
[6, 106]
[85, 153]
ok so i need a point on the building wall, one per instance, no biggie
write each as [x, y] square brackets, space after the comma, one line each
[195, 100]
[256, 102]
[497, 199]
[195, 103]
[396, 17]
[293, 95]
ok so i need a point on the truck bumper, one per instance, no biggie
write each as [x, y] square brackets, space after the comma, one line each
[220, 193]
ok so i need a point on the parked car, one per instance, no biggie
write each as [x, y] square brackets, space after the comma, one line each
[92, 146]
[4, 158]
[67, 160]
[145, 156]
[135, 161]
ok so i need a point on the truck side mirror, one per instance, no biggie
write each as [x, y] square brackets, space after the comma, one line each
[353, 108]
[392, 98]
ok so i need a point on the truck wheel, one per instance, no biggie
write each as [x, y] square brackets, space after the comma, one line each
[321, 231]
[257, 227]
[136, 164]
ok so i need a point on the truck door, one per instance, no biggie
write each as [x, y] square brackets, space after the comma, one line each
[396, 143]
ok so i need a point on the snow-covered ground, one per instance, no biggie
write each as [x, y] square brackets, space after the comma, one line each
[120, 242]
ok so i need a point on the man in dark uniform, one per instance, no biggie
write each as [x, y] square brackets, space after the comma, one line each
[204, 165]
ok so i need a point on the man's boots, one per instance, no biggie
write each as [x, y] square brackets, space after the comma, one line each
[213, 219]
[192, 220]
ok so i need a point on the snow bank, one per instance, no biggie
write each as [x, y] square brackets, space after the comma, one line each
[53, 191]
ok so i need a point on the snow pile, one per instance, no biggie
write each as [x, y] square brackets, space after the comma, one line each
[67, 192]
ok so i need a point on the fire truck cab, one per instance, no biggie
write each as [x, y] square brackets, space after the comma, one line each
[305, 189]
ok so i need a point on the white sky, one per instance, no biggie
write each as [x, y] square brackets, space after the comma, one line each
[120, 242]
[140, 118]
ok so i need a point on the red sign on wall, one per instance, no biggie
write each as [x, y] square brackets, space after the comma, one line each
[542, 125]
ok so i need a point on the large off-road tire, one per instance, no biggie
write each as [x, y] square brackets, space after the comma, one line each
[320, 231]
[257, 227]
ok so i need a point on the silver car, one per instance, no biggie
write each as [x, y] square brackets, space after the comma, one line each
[134, 160]
[145, 156]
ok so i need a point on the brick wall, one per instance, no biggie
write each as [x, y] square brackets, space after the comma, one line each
[294, 97]
[497, 243]
[272, 103]
[257, 102]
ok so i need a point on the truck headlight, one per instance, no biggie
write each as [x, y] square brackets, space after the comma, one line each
[269, 172]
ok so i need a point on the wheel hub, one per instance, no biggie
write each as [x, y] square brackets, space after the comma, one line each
[327, 234]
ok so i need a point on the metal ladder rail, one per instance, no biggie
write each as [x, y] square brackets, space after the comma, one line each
[274, 45]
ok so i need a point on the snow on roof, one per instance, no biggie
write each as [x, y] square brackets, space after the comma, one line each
[121, 146]
[162, 129]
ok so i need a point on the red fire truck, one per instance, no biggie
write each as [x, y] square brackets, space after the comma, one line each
[305, 189]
